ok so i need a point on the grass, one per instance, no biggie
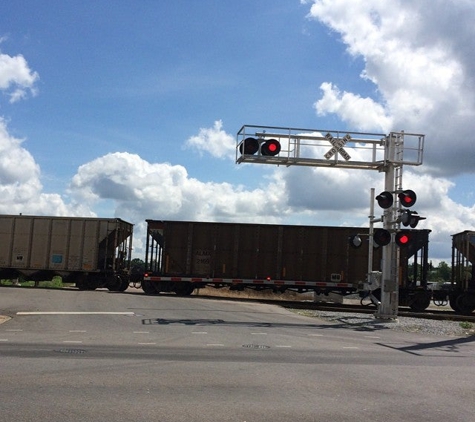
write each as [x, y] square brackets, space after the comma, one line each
[55, 283]
[466, 325]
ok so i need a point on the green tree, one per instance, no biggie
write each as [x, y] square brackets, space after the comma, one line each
[444, 271]
[137, 266]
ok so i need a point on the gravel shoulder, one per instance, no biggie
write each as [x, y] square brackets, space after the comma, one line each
[403, 324]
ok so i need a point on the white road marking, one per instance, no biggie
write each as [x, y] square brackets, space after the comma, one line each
[141, 332]
[146, 344]
[14, 331]
[372, 337]
[199, 332]
[77, 331]
[315, 335]
[72, 341]
[283, 346]
[215, 344]
[259, 334]
[73, 313]
[3, 339]
[350, 347]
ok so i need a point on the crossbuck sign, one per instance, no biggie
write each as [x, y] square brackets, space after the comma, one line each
[337, 146]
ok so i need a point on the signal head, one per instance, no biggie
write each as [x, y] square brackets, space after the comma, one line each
[249, 146]
[270, 147]
[385, 199]
[381, 237]
[410, 218]
[407, 198]
[406, 217]
[404, 238]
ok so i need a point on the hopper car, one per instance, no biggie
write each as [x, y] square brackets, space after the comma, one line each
[90, 252]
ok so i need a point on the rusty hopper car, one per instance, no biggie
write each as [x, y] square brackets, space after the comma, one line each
[182, 256]
[90, 252]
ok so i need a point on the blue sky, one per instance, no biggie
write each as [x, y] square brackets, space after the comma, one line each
[131, 108]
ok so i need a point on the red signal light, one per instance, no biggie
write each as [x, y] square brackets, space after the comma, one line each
[403, 238]
[408, 198]
[270, 147]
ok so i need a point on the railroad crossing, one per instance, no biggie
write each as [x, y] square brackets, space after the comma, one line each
[385, 153]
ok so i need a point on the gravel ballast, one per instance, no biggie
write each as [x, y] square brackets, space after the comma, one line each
[367, 322]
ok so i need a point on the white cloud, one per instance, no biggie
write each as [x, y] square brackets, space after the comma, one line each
[143, 190]
[21, 189]
[20, 186]
[418, 56]
[16, 78]
[360, 113]
[214, 141]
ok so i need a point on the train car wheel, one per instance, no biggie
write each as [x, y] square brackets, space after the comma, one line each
[114, 284]
[466, 304]
[149, 288]
[453, 302]
[124, 284]
[420, 302]
[184, 289]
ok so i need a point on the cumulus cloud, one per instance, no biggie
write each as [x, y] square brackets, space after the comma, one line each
[361, 113]
[141, 190]
[214, 141]
[16, 78]
[420, 65]
[20, 186]
[21, 189]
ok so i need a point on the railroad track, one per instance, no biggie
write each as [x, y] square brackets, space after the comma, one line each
[436, 314]
[446, 314]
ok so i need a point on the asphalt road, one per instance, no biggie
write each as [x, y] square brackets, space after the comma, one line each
[67, 355]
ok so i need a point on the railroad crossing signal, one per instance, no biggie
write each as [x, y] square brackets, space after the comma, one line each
[386, 153]
[251, 146]
[337, 146]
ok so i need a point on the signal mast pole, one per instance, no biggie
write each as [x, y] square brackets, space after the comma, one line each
[390, 262]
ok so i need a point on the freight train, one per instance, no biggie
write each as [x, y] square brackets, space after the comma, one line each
[181, 256]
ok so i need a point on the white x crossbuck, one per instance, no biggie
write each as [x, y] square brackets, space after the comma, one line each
[338, 145]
